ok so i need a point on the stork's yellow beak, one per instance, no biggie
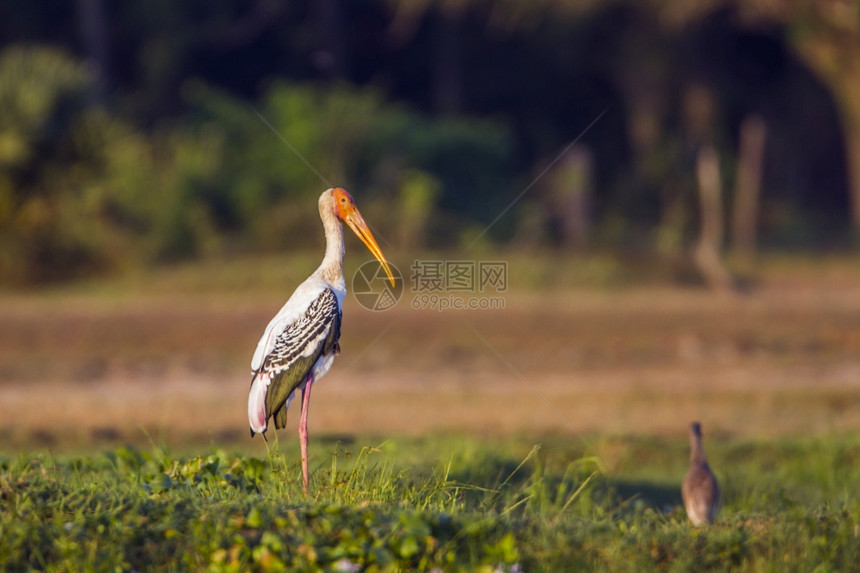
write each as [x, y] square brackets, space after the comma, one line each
[348, 213]
[358, 225]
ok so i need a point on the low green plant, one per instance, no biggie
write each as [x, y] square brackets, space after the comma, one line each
[449, 504]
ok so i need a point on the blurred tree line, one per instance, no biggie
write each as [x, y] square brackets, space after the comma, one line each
[138, 132]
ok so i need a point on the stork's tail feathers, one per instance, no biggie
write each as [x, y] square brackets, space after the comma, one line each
[257, 403]
[253, 433]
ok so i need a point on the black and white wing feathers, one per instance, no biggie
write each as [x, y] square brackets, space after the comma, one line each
[295, 352]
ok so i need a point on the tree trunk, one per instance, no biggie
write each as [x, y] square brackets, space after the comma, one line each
[748, 186]
[707, 253]
[846, 88]
[830, 45]
[569, 191]
[91, 19]
[447, 63]
[331, 55]
[852, 144]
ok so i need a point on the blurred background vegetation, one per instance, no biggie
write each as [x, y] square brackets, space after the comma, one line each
[137, 133]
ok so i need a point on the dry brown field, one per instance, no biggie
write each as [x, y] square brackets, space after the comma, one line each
[81, 368]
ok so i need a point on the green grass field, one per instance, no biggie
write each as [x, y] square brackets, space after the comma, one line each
[445, 503]
[547, 436]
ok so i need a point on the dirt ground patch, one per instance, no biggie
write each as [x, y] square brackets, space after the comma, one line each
[781, 361]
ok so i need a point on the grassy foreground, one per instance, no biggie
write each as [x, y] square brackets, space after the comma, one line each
[449, 503]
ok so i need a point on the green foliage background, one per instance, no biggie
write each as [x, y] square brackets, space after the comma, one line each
[84, 190]
[149, 132]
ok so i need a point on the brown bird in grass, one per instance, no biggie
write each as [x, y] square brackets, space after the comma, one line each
[699, 491]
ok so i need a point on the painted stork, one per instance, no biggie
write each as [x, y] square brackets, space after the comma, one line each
[301, 341]
[699, 490]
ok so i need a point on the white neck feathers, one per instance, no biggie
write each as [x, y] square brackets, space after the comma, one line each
[331, 269]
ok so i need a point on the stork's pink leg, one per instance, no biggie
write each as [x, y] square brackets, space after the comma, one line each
[303, 430]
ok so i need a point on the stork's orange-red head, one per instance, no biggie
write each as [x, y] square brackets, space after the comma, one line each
[348, 213]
